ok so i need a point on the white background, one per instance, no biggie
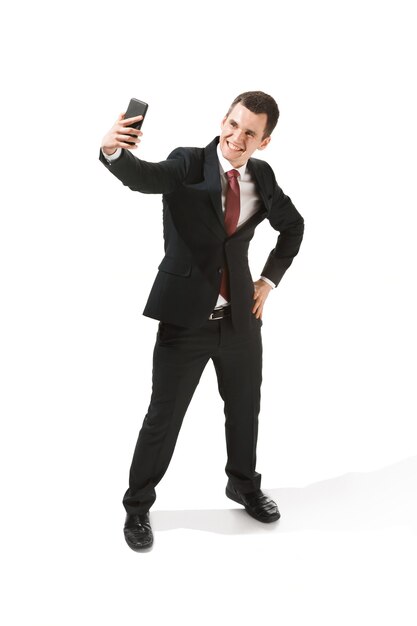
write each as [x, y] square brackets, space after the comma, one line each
[337, 445]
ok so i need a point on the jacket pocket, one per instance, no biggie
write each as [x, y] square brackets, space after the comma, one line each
[179, 267]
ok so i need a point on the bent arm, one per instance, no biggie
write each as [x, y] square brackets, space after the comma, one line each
[283, 217]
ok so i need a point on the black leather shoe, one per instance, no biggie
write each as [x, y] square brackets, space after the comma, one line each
[256, 503]
[138, 531]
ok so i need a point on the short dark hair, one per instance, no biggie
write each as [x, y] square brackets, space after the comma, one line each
[259, 102]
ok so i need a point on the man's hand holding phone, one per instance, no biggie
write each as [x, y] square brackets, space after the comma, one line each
[122, 135]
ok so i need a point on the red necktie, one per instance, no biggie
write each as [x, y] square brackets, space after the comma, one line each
[231, 218]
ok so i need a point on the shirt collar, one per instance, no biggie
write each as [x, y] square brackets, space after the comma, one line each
[226, 166]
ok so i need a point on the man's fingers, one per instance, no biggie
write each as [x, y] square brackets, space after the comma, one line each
[134, 132]
[122, 135]
[131, 120]
[127, 145]
[258, 310]
[123, 143]
[260, 294]
[257, 306]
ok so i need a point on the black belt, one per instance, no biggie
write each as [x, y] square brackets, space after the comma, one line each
[219, 314]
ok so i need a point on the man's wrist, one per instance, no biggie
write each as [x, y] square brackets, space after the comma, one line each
[114, 156]
[269, 282]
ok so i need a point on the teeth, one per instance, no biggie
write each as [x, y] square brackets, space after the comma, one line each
[233, 147]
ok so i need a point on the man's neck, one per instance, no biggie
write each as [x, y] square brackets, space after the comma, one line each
[226, 165]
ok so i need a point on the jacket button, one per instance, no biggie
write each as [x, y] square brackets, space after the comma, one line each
[220, 270]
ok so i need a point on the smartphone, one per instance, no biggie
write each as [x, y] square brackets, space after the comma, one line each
[136, 107]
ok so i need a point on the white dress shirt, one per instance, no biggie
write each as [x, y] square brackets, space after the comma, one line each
[250, 202]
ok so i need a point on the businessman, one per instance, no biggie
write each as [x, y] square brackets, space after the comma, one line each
[204, 297]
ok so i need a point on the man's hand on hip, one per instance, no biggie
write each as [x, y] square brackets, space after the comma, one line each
[120, 136]
[260, 294]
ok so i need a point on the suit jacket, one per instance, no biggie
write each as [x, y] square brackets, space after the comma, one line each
[197, 247]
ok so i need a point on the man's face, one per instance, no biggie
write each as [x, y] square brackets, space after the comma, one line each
[242, 134]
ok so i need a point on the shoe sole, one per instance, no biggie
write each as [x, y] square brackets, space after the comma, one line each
[273, 518]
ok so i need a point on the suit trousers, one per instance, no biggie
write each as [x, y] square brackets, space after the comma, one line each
[180, 356]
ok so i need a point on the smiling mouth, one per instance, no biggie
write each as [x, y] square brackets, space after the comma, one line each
[234, 147]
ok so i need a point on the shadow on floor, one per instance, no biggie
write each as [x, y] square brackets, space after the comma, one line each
[380, 499]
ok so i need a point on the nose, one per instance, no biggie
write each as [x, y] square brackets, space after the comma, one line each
[237, 134]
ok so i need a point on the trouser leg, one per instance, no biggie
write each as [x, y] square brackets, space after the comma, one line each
[178, 362]
[239, 373]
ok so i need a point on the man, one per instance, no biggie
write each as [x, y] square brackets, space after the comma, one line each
[204, 296]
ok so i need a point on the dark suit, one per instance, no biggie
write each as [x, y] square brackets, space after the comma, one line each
[185, 292]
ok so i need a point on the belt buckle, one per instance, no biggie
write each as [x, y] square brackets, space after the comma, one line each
[219, 314]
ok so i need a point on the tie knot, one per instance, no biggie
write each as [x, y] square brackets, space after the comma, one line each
[232, 174]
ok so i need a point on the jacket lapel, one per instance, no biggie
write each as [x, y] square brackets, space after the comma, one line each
[212, 179]
[256, 173]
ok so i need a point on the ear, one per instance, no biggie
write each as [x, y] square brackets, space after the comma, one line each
[223, 121]
[264, 143]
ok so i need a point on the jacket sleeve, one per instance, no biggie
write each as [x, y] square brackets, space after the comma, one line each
[283, 217]
[146, 177]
